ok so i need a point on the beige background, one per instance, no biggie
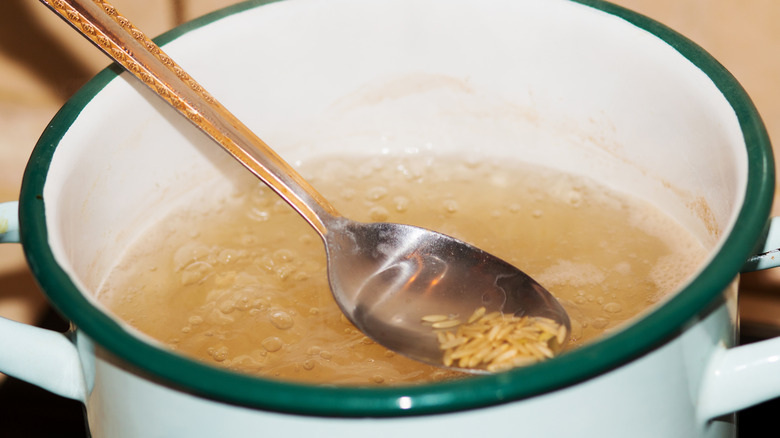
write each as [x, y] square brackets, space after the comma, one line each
[43, 62]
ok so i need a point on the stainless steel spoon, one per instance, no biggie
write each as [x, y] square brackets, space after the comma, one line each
[385, 277]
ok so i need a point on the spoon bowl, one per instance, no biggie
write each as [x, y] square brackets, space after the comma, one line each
[385, 277]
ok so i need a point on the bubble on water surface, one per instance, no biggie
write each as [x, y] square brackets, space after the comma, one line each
[301, 276]
[243, 303]
[284, 272]
[284, 255]
[612, 307]
[376, 193]
[227, 255]
[258, 214]
[226, 306]
[218, 354]
[282, 320]
[272, 344]
[266, 262]
[450, 206]
[378, 214]
[401, 203]
[189, 253]
[195, 272]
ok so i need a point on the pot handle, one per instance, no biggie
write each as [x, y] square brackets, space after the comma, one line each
[39, 356]
[739, 377]
[768, 254]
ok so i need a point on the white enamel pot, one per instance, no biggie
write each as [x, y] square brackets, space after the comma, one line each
[585, 87]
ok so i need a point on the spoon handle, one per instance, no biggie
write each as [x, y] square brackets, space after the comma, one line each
[100, 22]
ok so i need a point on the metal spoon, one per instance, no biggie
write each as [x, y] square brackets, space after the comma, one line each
[385, 277]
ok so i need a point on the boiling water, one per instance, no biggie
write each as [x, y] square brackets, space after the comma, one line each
[242, 284]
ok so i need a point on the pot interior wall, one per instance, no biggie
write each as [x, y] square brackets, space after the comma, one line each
[549, 82]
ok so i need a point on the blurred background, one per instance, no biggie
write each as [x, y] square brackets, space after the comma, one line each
[43, 62]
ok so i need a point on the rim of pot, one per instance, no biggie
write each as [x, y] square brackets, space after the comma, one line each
[588, 361]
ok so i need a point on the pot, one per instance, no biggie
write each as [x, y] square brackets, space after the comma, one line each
[581, 86]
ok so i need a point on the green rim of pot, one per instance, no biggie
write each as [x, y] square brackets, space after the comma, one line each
[581, 364]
